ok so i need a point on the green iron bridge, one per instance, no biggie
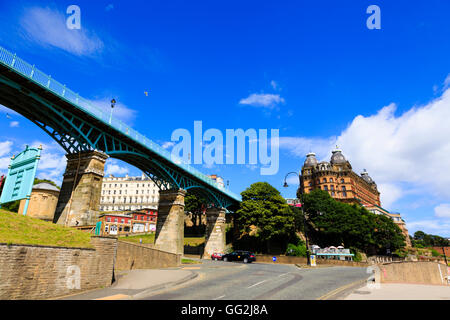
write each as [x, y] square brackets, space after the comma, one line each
[78, 126]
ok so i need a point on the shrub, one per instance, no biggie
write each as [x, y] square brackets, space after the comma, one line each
[434, 253]
[296, 250]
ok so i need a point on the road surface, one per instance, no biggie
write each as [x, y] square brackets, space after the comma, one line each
[219, 280]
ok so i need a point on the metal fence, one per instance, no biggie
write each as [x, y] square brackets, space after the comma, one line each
[30, 71]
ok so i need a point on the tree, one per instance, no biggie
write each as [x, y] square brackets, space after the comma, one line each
[265, 215]
[331, 222]
[422, 240]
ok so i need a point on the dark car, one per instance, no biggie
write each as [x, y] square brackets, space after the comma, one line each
[239, 255]
[217, 256]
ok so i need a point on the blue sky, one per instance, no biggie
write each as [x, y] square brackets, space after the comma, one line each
[312, 70]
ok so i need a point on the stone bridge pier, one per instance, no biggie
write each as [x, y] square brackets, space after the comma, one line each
[79, 198]
[215, 231]
[169, 234]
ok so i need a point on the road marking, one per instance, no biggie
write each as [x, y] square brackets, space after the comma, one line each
[283, 274]
[219, 297]
[340, 289]
[114, 297]
[256, 284]
[191, 268]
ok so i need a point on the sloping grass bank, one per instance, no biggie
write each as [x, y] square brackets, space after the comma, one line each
[18, 229]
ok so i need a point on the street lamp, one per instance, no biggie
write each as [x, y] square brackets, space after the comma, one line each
[113, 104]
[285, 185]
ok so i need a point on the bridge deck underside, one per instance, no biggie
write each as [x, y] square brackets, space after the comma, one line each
[78, 131]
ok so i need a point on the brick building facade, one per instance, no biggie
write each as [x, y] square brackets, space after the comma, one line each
[339, 180]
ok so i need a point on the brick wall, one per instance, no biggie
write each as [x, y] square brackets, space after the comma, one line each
[134, 256]
[41, 272]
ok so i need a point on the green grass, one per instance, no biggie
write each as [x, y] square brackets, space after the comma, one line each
[189, 261]
[146, 238]
[18, 229]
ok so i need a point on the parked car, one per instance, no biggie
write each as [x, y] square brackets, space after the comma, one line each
[239, 255]
[217, 256]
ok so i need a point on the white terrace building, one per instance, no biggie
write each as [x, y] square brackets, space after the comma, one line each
[128, 193]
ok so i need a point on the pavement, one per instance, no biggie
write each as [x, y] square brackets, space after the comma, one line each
[133, 284]
[400, 291]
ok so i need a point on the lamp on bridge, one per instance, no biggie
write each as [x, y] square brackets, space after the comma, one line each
[113, 104]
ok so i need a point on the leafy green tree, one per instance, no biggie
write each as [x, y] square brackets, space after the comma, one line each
[331, 222]
[423, 240]
[263, 207]
[195, 205]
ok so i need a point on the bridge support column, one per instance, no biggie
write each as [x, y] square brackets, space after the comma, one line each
[215, 231]
[170, 223]
[79, 198]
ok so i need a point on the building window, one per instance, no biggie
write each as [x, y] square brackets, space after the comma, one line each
[342, 181]
[344, 194]
[331, 179]
[325, 188]
[332, 193]
[108, 219]
[324, 180]
[332, 187]
[343, 188]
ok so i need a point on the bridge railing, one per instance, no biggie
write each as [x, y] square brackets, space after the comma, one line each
[31, 72]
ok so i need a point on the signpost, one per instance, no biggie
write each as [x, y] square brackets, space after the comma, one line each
[274, 259]
[313, 260]
[20, 178]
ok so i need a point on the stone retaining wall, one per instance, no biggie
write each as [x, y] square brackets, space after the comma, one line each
[419, 272]
[41, 272]
[134, 256]
[302, 260]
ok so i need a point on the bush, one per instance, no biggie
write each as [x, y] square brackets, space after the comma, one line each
[296, 250]
[357, 255]
[434, 253]
[400, 253]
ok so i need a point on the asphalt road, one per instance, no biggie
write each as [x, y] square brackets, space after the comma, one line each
[219, 280]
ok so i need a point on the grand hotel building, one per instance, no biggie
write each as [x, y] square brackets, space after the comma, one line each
[343, 184]
[338, 178]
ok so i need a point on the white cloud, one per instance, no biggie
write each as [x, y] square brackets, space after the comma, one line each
[413, 147]
[120, 111]
[48, 27]
[442, 210]
[115, 169]
[14, 124]
[447, 82]
[402, 153]
[300, 146]
[389, 193]
[168, 145]
[269, 101]
[274, 85]
[5, 148]
[430, 226]
[109, 7]
[5, 155]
